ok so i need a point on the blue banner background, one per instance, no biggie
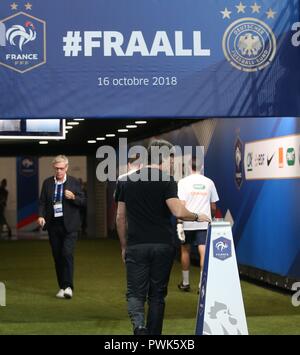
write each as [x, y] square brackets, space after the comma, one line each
[27, 191]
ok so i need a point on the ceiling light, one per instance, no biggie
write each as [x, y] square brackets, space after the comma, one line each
[100, 138]
[140, 122]
[92, 141]
[73, 124]
[43, 142]
[123, 130]
[131, 126]
[69, 127]
[110, 135]
[78, 119]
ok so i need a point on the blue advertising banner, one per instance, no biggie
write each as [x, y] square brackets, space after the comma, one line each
[149, 58]
[27, 192]
[255, 165]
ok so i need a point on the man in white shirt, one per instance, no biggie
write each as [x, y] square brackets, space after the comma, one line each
[198, 193]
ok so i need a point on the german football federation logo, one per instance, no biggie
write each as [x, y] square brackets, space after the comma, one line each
[23, 44]
[249, 43]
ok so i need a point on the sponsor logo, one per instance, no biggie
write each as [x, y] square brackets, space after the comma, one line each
[290, 156]
[23, 37]
[269, 160]
[249, 44]
[222, 249]
[199, 187]
[280, 157]
[250, 162]
[260, 159]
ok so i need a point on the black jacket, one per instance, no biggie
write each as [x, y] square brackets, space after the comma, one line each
[71, 208]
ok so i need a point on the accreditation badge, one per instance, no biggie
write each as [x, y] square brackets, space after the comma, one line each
[58, 209]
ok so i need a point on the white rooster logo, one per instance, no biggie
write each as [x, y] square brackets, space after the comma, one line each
[238, 157]
[249, 44]
[20, 31]
[221, 246]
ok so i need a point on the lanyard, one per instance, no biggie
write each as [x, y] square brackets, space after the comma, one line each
[58, 193]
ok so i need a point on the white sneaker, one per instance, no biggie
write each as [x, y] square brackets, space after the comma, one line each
[60, 294]
[68, 293]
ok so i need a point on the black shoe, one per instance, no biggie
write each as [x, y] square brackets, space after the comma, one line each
[141, 331]
[185, 288]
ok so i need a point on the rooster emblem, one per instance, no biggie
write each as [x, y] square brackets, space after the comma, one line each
[18, 31]
[238, 157]
[27, 163]
[221, 246]
[221, 321]
[249, 44]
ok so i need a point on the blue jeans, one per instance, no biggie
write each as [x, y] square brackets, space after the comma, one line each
[148, 269]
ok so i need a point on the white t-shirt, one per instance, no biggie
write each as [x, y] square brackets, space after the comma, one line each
[198, 192]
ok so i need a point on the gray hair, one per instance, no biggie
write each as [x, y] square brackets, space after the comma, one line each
[159, 150]
[60, 159]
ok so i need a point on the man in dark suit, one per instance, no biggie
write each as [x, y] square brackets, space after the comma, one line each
[59, 212]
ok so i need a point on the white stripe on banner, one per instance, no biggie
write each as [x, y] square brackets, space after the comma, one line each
[221, 307]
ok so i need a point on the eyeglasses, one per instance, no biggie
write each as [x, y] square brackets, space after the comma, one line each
[60, 169]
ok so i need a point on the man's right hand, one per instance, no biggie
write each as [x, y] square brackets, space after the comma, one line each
[41, 221]
[180, 232]
[203, 218]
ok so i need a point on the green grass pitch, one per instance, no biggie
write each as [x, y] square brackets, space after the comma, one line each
[99, 306]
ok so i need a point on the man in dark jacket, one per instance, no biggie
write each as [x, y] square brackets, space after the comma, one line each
[59, 213]
[146, 202]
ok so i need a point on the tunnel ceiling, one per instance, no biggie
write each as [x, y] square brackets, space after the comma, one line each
[89, 129]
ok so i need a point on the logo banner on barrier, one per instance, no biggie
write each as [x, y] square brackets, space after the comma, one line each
[221, 307]
[273, 158]
[149, 58]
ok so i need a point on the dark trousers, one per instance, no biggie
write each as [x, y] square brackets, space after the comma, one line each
[3, 222]
[63, 245]
[148, 269]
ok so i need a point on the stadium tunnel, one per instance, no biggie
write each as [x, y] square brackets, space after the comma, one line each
[82, 138]
[243, 157]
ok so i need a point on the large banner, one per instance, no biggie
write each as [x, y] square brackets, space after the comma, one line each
[149, 58]
[27, 193]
